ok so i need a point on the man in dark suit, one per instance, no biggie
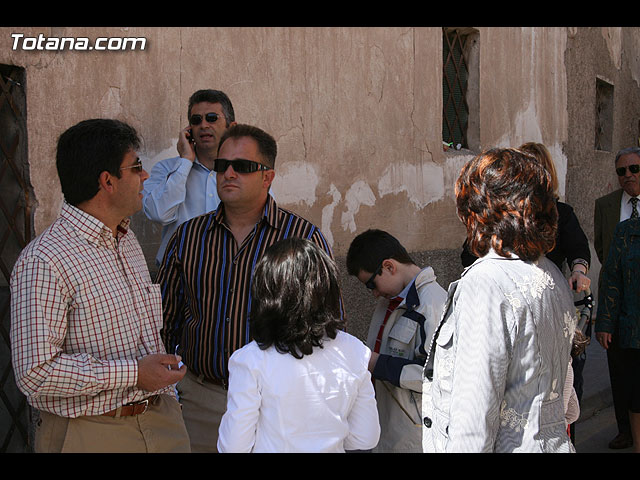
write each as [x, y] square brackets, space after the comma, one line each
[609, 211]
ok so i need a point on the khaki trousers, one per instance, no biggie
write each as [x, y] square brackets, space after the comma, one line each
[158, 430]
[203, 404]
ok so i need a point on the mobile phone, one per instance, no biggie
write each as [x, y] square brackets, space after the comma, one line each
[190, 136]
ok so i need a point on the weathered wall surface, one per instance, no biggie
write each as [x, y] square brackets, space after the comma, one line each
[356, 113]
[610, 54]
[524, 89]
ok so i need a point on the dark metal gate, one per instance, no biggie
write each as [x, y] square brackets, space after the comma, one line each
[16, 229]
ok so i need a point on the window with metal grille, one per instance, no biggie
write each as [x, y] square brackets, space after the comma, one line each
[604, 115]
[460, 86]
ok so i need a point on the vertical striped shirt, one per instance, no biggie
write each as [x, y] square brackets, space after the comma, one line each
[206, 284]
[83, 310]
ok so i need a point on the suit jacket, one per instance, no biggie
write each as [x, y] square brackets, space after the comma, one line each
[605, 219]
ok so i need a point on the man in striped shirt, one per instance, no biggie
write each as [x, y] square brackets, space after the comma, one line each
[206, 275]
[85, 317]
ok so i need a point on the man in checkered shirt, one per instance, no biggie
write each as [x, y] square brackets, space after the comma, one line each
[85, 316]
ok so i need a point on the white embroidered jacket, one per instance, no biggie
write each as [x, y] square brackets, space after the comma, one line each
[500, 358]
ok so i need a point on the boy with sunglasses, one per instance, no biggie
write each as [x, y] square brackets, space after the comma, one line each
[183, 187]
[410, 303]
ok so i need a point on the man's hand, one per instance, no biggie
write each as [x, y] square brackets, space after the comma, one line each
[604, 339]
[158, 370]
[185, 145]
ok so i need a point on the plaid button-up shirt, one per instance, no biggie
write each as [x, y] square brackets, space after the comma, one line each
[83, 310]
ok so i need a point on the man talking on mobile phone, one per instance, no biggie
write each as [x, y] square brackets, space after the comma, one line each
[183, 187]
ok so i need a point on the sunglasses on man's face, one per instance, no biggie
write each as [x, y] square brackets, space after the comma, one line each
[136, 167]
[371, 284]
[211, 117]
[240, 165]
[632, 168]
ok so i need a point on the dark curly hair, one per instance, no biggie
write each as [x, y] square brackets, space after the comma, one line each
[506, 199]
[295, 298]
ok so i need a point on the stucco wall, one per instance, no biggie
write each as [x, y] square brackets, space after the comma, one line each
[609, 53]
[356, 113]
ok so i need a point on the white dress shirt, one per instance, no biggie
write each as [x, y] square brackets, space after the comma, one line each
[626, 206]
[176, 191]
[324, 402]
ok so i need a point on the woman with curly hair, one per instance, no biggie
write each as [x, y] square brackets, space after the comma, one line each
[302, 384]
[572, 245]
[501, 352]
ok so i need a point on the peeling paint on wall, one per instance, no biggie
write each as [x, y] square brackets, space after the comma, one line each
[526, 128]
[452, 172]
[560, 162]
[327, 213]
[613, 38]
[111, 103]
[388, 76]
[423, 184]
[295, 183]
[359, 193]
[634, 60]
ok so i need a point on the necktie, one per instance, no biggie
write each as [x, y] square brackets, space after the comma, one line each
[393, 304]
[634, 208]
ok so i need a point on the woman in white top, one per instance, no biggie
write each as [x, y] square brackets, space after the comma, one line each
[302, 384]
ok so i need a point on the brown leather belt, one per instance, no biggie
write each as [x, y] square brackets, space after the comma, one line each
[133, 408]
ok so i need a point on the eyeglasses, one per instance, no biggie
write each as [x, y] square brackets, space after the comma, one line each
[136, 167]
[211, 117]
[240, 165]
[371, 284]
[632, 168]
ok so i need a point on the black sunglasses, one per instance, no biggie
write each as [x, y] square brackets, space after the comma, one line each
[136, 167]
[211, 117]
[632, 168]
[370, 284]
[240, 165]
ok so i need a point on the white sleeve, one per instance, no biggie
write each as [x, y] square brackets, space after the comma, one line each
[364, 424]
[237, 432]
[165, 190]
